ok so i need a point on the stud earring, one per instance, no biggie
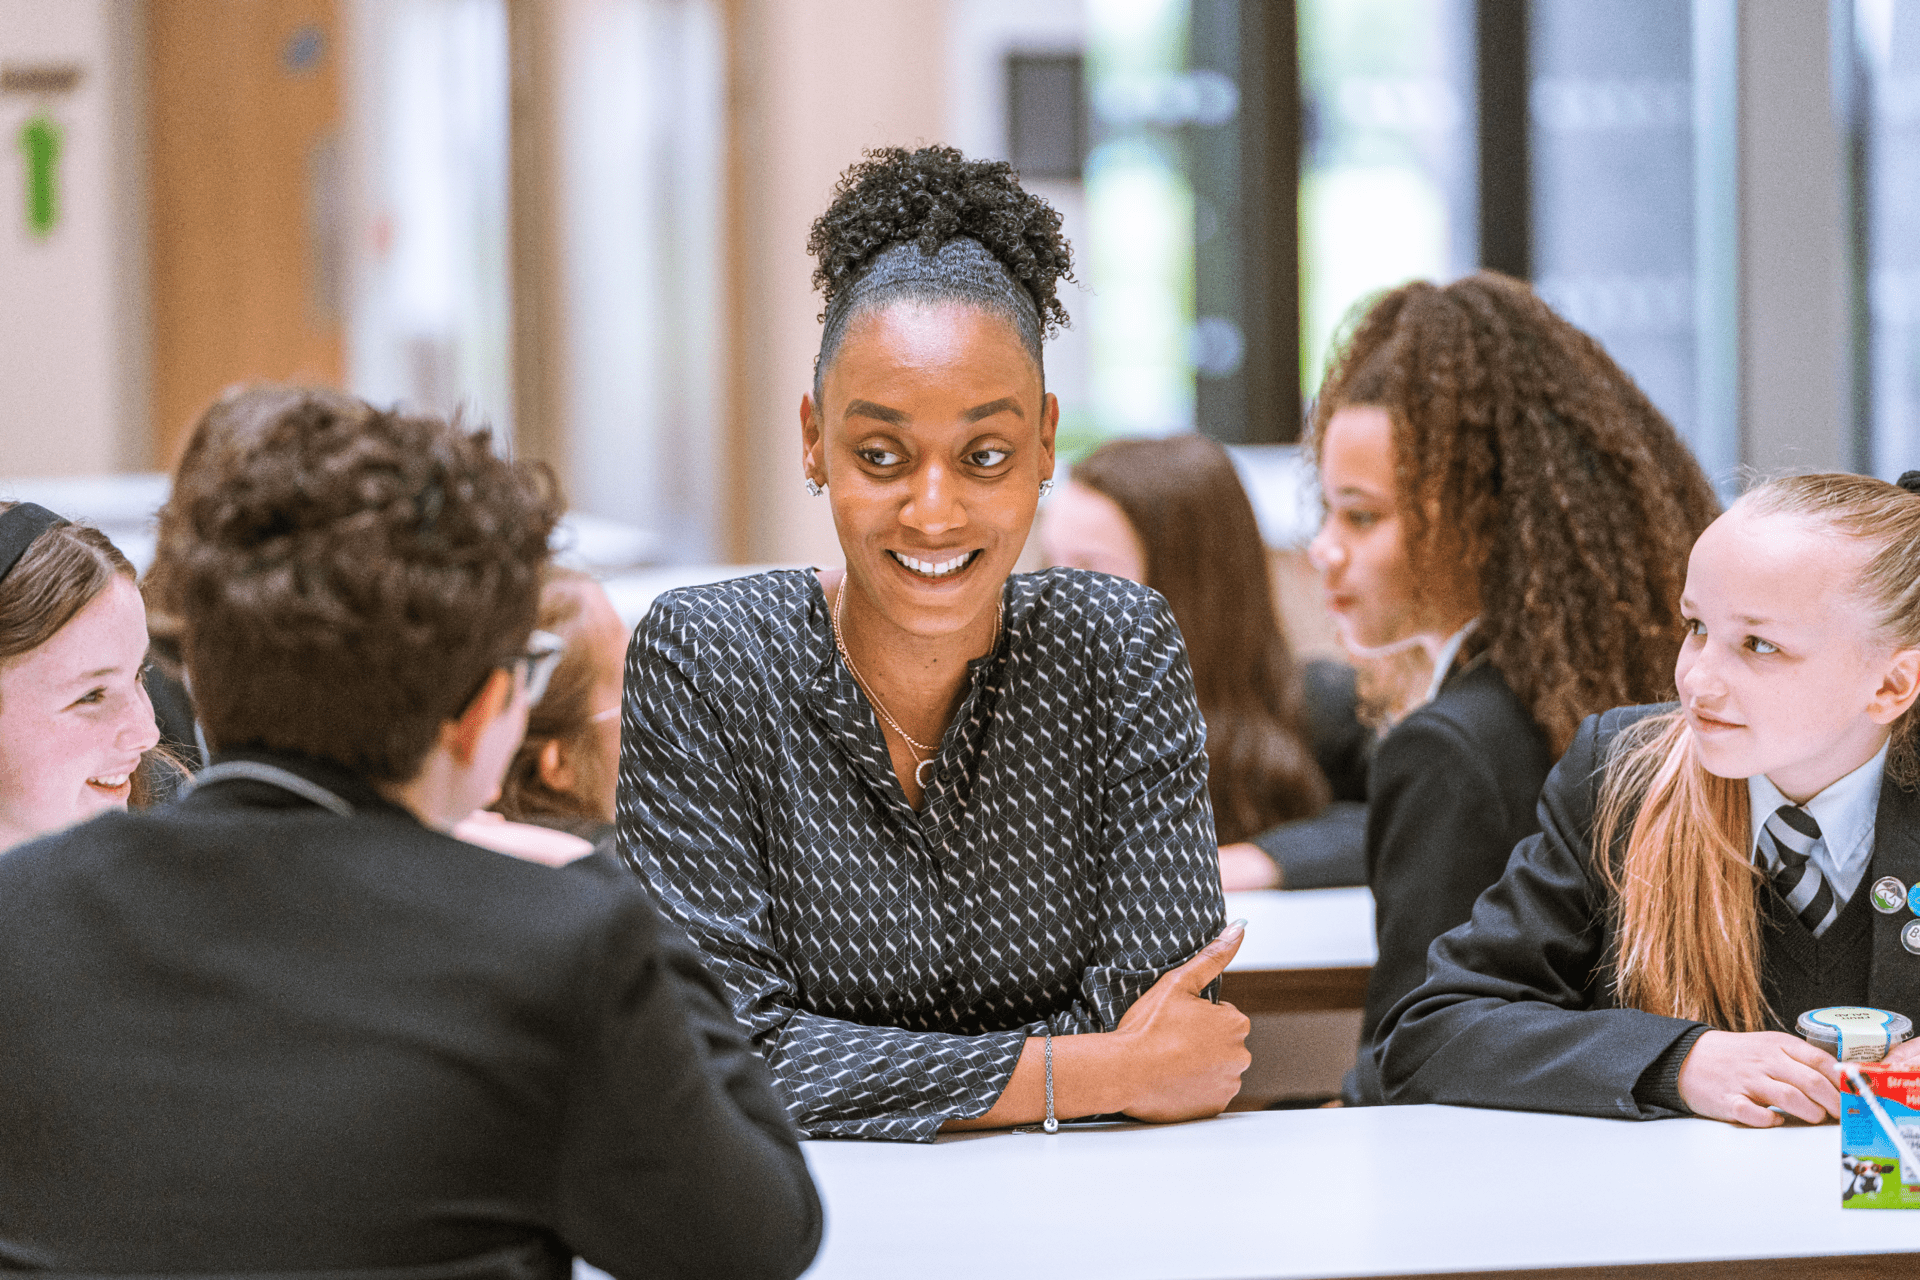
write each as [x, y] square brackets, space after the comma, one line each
[1046, 487]
[814, 489]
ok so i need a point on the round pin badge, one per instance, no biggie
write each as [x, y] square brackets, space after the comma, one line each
[1910, 937]
[1889, 895]
[1913, 898]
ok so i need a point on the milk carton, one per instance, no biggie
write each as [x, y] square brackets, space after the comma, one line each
[1870, 1165]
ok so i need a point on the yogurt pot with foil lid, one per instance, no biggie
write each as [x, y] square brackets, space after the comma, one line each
[1854, 1033]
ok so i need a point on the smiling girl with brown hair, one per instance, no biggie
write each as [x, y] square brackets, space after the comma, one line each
[75, 721]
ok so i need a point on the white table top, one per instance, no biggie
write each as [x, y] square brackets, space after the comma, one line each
[1304, 929]
[1365, 1191]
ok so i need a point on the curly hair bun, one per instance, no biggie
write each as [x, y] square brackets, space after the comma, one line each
[929, 198]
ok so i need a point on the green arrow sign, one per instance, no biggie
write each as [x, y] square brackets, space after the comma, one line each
[40, 147]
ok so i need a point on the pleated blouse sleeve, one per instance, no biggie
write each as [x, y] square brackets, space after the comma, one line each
[1163, 900]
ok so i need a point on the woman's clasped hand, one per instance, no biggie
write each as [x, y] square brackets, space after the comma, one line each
[1174, 1055]
[1186, 1053]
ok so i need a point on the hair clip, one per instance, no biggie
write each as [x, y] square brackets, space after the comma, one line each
[20, 527]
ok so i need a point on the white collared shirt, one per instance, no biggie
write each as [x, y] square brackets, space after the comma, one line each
[1846, 811]
[1443, 661]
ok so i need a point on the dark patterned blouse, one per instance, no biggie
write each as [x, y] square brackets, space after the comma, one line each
[890, 964]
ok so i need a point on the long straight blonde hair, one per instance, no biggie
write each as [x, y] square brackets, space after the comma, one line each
[1685, 892]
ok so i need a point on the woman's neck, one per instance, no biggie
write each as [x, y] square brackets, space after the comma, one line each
[917, 678]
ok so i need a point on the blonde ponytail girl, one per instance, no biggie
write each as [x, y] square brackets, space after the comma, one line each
[1686, 915]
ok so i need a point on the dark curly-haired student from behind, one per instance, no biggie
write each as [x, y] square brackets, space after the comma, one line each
[1499, 494]
[942, 829]
[288, 1024]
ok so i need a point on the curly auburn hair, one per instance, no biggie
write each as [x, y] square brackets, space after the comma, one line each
[927, 198]
[344, 578]
[1533, 473]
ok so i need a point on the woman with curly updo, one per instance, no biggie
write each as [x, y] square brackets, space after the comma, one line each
[1500, 495]
[942, 829]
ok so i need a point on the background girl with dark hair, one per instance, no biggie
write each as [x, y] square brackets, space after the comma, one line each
[1281, 741]
[75, 722]
[943, 831]
[1499, 494]
[1708, 872]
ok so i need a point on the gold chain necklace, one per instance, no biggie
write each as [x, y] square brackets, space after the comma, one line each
[915, 748]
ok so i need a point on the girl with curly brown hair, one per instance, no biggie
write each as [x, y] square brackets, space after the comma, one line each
[1708, 872]
[940, 827]
[1501, 496]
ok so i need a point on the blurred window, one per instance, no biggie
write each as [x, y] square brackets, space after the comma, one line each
[642, 114]
[1553, 139]
[430, 325]
[1887, 217]
[1244, 160]
[1387, 181]
[1612, 143]
[1138, 253]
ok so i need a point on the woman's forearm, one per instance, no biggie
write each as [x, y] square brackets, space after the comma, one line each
[1091, 1077]
[1176, 1055]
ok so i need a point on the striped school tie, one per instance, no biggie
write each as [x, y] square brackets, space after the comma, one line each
[1786, 840]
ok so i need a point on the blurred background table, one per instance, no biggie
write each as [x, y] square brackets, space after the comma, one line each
[1307, 950]
[1301, 976]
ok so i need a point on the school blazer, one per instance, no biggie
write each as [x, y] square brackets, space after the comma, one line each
[1330, 848]
[1516, 1011]
[247, 1036]
[1454, 787]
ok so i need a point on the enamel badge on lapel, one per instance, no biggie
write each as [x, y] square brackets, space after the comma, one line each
[1888, 895]
[1910, 937]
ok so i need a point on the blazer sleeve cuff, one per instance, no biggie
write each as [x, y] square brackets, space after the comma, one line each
[1659, 1085]
[1323, 852]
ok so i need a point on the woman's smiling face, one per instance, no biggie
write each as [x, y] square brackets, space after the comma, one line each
[932, 437]
[1782, 672]
[75, 719]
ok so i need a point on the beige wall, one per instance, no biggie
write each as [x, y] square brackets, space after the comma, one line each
[73, 392]
[801, 110]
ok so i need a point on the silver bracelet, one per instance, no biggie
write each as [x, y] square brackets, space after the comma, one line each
[1051, 1125]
